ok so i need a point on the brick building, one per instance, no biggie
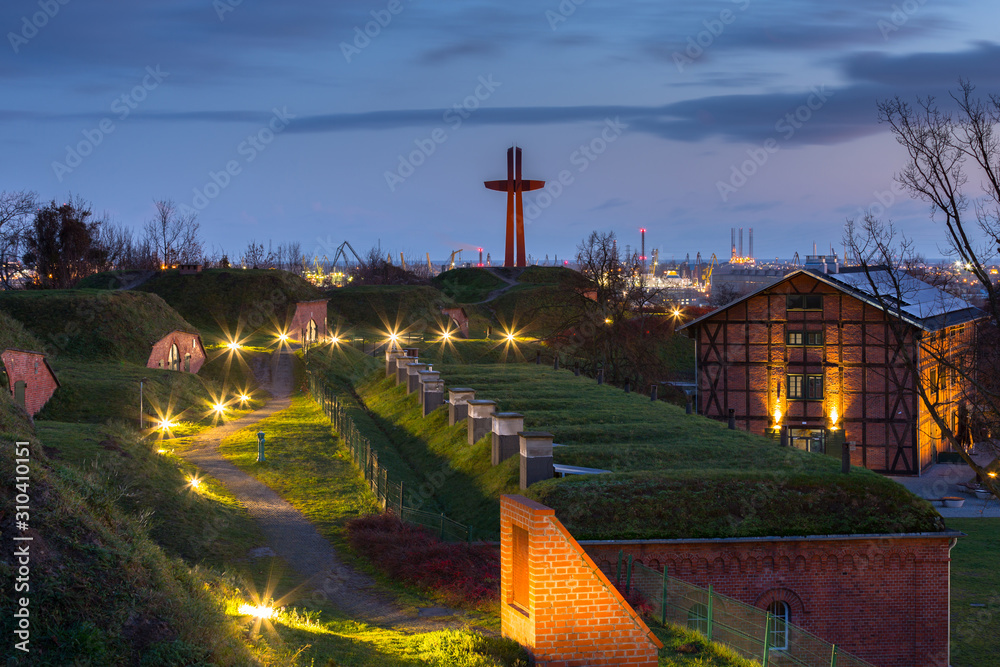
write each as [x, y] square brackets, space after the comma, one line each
[178, 351]
[308, 322]
[816, 360]
[883, 598]
[30, 379]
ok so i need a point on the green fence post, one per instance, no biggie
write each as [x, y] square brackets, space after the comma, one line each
[710, 612]
[400, 501]
[833, 656]
[618, 570]
[468, 535]
[628, 576]
[442, 526]
[767, 640]
[663, 599]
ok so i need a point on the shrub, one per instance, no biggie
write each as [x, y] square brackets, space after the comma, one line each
[463, 574]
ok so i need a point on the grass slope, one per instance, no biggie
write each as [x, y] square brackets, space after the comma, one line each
[100, 588]
[975, 592]
[415, 308]
[467, 285]
[227, 300]
[14, 335]
[94, 324]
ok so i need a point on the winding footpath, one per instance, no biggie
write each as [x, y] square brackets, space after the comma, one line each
[290, 534]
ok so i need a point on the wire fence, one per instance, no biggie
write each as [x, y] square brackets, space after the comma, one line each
[388, 488]
[754, 633]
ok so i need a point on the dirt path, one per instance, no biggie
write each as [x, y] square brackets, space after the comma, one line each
[290, 534]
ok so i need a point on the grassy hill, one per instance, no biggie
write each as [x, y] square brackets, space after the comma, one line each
[99, 587]
[386, 307]
[220, 300]
[94, 324]
[14, 335]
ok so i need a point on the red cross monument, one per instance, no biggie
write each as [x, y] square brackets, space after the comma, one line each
[514, 185]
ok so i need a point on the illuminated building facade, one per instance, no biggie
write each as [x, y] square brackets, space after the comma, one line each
[815, 360]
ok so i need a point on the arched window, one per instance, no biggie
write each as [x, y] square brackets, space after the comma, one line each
[311, 334]
[174, 359]
[698, 618]
[779, 624]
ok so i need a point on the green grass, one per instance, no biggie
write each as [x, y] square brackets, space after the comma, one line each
[94, 325]
[224, 301]
[660, 457]
[467, 285]
[686, 648]
[388, 307]
[14, 335]
[974, 568]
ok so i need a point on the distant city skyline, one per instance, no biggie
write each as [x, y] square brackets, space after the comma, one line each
[378, 122]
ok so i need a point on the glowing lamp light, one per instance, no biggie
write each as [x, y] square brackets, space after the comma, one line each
[607, 320]
[445, 335]
[777, 416]
[161, 451]
[510, 338]
[165, 425]
[283, 337]
[394, 337]
[833, 418]
[244, 398]
[194, 482]
[233, 345]
[335, 340]
[992, 475]
[676, 313]
[218, 408]
[257, 610]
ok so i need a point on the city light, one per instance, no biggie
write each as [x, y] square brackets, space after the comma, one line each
[165, 424]
[233, 345]
[244, 398]
[446, 335]
[335, 340]
[510, 337]
[283, 337]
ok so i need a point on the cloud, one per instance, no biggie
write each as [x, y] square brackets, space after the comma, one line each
[613, 202]
[978, 64]
[458, 51]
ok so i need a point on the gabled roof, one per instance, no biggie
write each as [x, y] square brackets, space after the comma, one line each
[918, 303]
[37, 354]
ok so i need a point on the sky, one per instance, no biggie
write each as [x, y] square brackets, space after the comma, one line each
[377, 122]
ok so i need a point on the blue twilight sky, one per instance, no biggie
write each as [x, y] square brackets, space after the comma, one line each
[285, 121]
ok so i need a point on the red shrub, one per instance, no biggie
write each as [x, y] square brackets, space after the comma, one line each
[462, 573]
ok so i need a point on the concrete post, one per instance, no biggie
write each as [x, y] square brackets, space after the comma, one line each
[433, 393]
[732, 419]
[480, 419]
[422, 377]
[845, 457]
[458, 404]
[391, 357]
[652, 392]
[506, 442]
[536, 457]
[401, 370]
[413, 377]
[412, 352]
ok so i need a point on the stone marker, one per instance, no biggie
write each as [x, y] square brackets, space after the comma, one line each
[480, 419]
[413, 377]
[401, 372]
[433, 393]
[458, 408]
[506, 426]
[536, 457]
[422, 377]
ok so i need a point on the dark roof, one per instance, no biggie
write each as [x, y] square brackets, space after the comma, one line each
[918, 303]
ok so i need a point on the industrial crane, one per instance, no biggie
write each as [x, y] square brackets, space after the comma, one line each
[451, 260]
[402, 260]
[708, 273]
[340, 251]
[430, 269]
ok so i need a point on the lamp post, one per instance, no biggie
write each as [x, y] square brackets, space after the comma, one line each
[141, 420]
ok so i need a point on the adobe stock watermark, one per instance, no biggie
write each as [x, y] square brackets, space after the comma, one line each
[248, 149]
[30, 26]
[883, 200]
[740, 174]
[581, 158]
[453, 118]
[562, 13]
[363, 36]
[223, 7]
[121, 106]
[899, 17]
[704, 39]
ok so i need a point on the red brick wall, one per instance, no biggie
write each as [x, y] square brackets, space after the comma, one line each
[574, 615]
[305, 311]
[882, 599]
[39, 382]
[187, 343]
[459, 318]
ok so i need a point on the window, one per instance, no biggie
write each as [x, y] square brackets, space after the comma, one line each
[808, 338]
[932, 384]
[778, 638]
[805, 302]
[814, 387]
[809, 387]
[698, 618]
[519, 566]
[794, 386]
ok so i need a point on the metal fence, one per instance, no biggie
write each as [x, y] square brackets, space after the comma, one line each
[753, 633]
[387, 487]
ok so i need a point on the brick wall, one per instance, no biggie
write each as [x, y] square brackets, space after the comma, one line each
[39, 381]
[884, 598]
[459, 318]
[305, 311]
[188, 344]
[556, 602]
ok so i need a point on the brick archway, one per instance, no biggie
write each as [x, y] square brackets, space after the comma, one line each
[796, 609]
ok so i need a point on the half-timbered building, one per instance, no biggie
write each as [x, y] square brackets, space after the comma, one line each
[818, 360]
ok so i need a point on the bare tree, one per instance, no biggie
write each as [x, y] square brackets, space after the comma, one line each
[946, 151]
[255, 257]
[173, 235]
[15, 210]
